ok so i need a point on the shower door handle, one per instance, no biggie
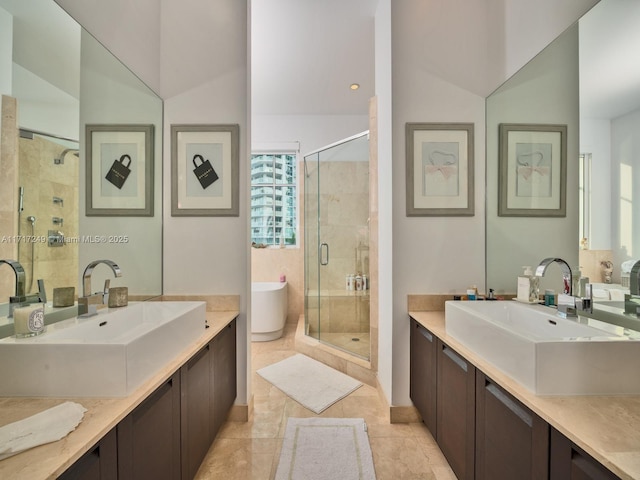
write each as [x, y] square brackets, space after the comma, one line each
[326, 249]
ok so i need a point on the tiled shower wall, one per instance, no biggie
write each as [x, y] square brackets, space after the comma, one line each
[8, 193]
[42, 180]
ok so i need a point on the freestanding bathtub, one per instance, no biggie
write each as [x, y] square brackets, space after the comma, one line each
[268, 310]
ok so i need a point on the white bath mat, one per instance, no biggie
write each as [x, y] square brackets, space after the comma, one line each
[309, 382]
[325, 449]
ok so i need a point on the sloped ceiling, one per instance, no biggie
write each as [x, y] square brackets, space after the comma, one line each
[305, 53]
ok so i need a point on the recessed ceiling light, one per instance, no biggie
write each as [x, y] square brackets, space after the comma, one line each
[354, 86]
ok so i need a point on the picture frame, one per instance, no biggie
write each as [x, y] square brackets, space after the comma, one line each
[532, 166]
[205, 170]
[440, 169]
[119, 170]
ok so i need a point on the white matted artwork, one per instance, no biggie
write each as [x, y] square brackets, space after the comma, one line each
[204, 167]
[532, 170]
[119, 173]
[439, 169]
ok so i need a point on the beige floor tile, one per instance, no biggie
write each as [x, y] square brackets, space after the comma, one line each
[251, 450]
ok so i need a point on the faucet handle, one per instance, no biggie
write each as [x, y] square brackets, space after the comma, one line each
[107, 282]
[42, 293]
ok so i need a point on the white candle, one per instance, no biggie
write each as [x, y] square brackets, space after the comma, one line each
[28, 321]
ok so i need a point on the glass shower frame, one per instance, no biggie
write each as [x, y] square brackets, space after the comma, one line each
[336, 244]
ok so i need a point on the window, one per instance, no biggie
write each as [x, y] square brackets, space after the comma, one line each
[273, 198]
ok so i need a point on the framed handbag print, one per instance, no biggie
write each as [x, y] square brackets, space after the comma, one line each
[204, 170]
[119, 170]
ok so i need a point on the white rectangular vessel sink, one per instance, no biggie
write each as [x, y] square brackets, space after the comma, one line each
[547, 354]
[107, 355]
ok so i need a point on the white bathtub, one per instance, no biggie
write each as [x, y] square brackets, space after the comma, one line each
[268, 310]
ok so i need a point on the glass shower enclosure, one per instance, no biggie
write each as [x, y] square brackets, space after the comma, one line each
[336, 244]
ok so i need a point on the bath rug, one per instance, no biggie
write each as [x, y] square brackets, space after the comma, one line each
[309, 382]
[325, 449]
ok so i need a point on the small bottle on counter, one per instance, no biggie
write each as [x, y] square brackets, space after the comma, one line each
[528, 287]
[472, 293]
[549, 297]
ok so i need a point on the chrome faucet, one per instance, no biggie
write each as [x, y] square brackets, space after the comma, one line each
[88, 303]
[567, 277]
[21, 298]
[634, 279]
[569, 304]
[632, 299]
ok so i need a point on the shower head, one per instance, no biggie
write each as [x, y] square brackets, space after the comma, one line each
[60, 160]
[31, 219]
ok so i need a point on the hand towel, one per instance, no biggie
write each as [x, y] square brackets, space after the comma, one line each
[44, 427]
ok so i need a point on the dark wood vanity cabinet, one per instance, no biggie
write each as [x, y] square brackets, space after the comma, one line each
[99, 463]
[570, 462]
[170, 432]
[196, 410]
[208, 384]
[423, 374]
[149, 437]
[455, 432]
[484, 432]
[511, 441]
[224, 376]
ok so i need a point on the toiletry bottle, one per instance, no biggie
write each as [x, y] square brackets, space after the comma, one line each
[472, 293]
[528, 286]
[575, 280]
[549, 297]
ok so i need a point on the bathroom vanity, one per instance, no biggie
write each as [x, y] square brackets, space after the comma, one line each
[163, 429]
[489, 426]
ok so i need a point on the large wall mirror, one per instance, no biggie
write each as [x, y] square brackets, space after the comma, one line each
[62, 80]
[585, 79]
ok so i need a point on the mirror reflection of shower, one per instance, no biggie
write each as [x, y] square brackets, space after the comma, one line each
[32, 220]
[48, 176]
[26, 237]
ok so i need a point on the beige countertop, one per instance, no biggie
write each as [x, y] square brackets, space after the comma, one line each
[50, 460]
[606, 427]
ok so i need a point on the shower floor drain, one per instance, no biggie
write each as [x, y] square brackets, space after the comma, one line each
[355, 339]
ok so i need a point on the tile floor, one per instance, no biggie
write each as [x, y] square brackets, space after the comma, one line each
[250, 450]
[345, 341]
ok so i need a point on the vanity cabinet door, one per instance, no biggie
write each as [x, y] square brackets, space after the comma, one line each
[569, 462]
[511, 440]
[99, 463]
[423, 374]
[456, 411]
[149, 437]
[224, 376]
[195, 411]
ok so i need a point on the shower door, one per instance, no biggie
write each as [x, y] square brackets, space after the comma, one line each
[336, 214]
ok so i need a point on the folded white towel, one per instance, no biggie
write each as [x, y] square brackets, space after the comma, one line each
[44, 427]
[616, 294]
[600, 293]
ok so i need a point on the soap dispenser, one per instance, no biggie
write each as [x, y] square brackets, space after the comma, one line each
[528, 286]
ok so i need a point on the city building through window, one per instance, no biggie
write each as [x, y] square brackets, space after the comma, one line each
[273, 198]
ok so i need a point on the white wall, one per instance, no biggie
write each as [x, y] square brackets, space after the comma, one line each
[531, 26]
[430, 254]
[131, 30]
[111, 95]
[384, 93]
[543, 92]
[447, 254]
[595, 138]
[625, 176]
[209, 255]
[6, 51]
